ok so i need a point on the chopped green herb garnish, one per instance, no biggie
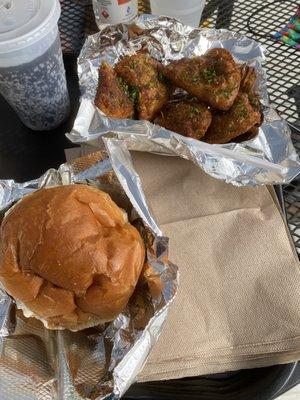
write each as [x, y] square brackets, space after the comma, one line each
[194, 110]
[253, 101]
[225, 93]
[251, 98]
[124, 86]
[192, 77]
[195, 78]
[161, 77]
[134, 94]
[131, 92]
[133, 64]
[241, 111]
[209, 75]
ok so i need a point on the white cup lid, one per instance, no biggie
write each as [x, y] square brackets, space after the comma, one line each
[23, 22]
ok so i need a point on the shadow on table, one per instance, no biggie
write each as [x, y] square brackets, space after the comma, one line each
[224, 9]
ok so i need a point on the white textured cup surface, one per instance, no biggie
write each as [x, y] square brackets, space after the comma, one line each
[188, 12]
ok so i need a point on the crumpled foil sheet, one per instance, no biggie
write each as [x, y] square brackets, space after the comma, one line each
[96, 363]
[270, 158]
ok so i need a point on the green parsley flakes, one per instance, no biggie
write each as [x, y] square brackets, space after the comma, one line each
[131, 91]
[241, 111]
[225, 93]
[134, 94]
[161, 77]
[124, 86]
[194, 110]
[133, 64]
[209, 75]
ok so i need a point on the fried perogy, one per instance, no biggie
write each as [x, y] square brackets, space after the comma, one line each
[134, 31]
[226, 126]
[112, 95]
[251, 134]
[248, 78]
[189, 118]
[143, 73]
[213, 78]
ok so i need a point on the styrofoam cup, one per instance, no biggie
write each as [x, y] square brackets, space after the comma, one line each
[32, 74]
[188, 11]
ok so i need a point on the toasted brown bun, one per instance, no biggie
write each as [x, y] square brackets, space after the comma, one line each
[69, 257]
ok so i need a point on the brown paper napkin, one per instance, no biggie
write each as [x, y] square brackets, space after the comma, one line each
[238, 304]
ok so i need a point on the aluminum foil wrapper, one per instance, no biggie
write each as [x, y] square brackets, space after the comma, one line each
[270, 158]
[101, 362]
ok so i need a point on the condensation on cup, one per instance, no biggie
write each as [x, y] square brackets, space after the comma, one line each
[114, 11]
[32, 74]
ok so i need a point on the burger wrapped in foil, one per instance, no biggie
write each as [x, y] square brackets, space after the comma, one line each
[102, 361]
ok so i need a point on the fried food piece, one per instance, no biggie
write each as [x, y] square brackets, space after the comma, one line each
[152, 279]
[248, 78]
[137, 70]
[247, 85]
[112, 96]
[135, 31]
[251, 134]
[213, 78]
[151, 100]
[189, 118]
[143, 73]
[226, 126]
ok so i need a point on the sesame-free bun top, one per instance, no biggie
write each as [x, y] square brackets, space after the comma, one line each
[69, 257]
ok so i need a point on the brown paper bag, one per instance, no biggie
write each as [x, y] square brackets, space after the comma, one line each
[238, 304]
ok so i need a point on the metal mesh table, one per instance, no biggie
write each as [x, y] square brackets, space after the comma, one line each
[257, 19]
[25, 155]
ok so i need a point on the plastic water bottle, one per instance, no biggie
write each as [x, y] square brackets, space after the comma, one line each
[114, 11]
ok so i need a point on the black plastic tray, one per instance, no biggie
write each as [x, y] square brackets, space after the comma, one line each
[256, 384]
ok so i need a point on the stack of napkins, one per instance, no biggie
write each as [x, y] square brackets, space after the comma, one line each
[238, 304]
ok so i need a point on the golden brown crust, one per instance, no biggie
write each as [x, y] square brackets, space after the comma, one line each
[69, 255]
[189, 118]
[213, 78]
[251, 134]
[248, 78]
[142, 73]
[228, 125]
[220, 86]
[150, 278]
[111, 96]
[138, 69]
